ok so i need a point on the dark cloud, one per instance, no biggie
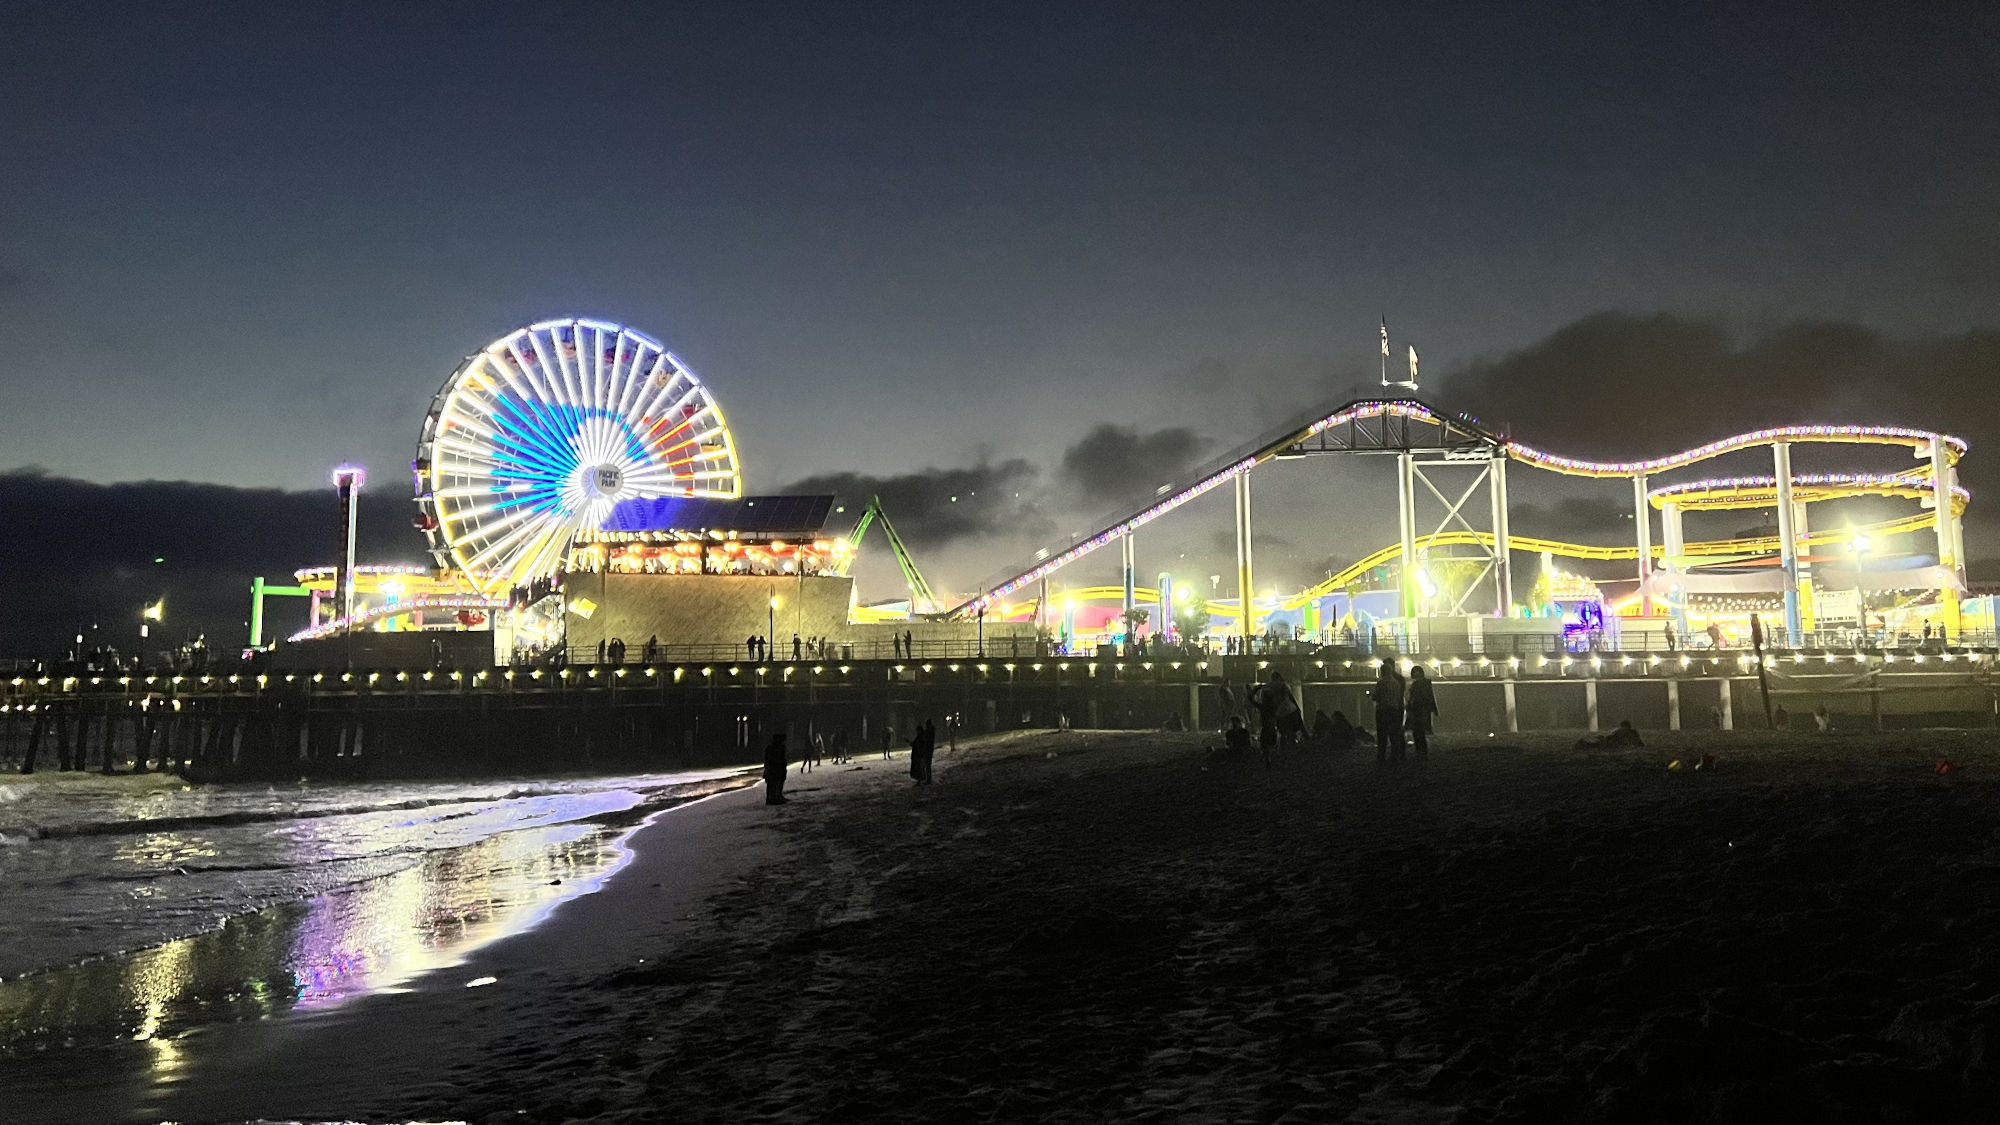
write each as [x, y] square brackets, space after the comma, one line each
[1256, 392]
[1574, 519]
[1115, 464]
[1628, 386]
[82, 553]
[937, 506]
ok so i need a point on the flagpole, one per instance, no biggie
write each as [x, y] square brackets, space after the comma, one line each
[1385, 351]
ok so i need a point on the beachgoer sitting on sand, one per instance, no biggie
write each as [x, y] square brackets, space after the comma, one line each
[1781, 718]
[1237, 739]
[1822, 718]
[1621, 736]
[1345, 735]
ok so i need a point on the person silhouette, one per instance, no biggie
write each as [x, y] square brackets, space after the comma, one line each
[774, 771]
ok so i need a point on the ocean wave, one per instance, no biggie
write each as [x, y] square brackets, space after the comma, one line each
[234, 817]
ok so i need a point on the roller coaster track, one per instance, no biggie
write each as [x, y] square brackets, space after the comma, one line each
[1468, 434]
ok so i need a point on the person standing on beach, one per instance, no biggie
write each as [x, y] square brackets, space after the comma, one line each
[1290, 720]
[1388, 713]
[1418, 711]
[774, 771]
[925, 750]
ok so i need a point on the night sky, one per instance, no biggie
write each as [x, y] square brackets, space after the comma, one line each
[1037, 257]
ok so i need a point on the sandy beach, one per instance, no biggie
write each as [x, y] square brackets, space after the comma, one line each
[1110, 926]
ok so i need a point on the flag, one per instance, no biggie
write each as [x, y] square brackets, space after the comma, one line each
[1385, 335]
[1413, 365]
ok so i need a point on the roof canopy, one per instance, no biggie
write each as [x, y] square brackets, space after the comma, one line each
[795, 516]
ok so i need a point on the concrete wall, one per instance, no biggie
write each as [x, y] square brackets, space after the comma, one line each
[725, 610]
[719, 609]
[411, 650]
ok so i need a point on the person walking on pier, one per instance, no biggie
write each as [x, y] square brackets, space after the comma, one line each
[774, 771]
[1389, 713]
[1418, 711]
[797, 648]
[750, 647]
[909, 648]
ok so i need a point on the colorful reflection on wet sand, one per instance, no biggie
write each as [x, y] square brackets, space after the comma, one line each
[369, 937]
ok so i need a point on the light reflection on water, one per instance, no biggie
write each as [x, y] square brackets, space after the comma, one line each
[367, 937]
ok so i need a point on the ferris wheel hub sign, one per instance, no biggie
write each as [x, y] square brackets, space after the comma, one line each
[604, 482]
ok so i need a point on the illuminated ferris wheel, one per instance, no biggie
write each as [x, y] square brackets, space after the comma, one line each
[537, 437]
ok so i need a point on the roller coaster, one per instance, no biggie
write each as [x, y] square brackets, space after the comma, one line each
[1418, 435]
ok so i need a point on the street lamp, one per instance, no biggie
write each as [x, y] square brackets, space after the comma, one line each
[771, 627]
[1860, 545]
[147, 616]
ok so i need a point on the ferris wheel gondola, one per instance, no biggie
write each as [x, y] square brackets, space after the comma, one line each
[536, 438]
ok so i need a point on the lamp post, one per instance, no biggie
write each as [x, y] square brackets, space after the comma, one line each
[147, 616]
[771, 626]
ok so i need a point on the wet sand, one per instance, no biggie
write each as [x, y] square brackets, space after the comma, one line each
[1121, 927]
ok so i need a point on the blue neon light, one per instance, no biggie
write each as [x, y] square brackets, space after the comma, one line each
[538, 446]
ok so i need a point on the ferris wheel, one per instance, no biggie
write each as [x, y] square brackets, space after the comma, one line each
[536, 438]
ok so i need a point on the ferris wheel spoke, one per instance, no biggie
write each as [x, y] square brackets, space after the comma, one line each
[631, 382]
[496, 549]
[663, 384]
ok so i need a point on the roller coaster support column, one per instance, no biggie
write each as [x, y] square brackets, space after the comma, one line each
[1131, 565]
[1503, 572]
[1673, 550]
[1788, 542]
[1947, 532]
[1802, 535]
[1246, 623]
[1406, 520]
[1642, 518]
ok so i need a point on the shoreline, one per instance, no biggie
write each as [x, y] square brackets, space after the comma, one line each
[1097, 926]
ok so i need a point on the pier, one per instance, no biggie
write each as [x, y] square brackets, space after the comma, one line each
[276, 725]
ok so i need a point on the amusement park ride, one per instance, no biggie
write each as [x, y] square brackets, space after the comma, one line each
[541, 451]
